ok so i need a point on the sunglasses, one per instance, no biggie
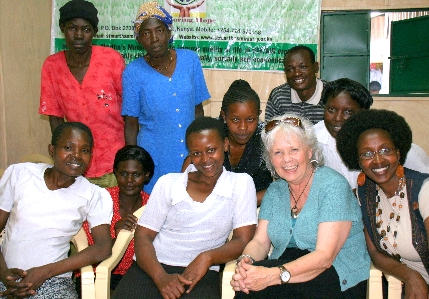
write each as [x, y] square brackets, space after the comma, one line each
[294, 121]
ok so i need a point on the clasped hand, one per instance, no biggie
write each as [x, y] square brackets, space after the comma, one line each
[172, 286]
[250, 278]
[20, 283]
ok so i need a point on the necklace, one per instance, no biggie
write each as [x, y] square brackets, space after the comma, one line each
[294, 211]
[161, 68]
[394, 218]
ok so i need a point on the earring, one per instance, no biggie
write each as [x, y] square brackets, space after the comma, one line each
[314, 162]
[361, 179]
[400, 171]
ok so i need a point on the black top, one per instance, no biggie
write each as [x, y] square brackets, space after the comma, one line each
[252, 162]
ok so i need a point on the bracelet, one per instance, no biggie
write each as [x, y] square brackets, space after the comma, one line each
[242, 257]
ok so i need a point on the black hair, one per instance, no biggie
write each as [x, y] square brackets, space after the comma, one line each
[136, 153]
[240, 92]
[58, 132]
[205, 123]
[374, 85]
[298, 48]
[389, 121]
[356, 91]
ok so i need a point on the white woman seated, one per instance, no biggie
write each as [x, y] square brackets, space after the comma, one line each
[180, 238]
[394, 199]
[310, 217]
[43, 206]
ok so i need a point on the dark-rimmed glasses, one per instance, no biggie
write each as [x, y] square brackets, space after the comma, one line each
[387, 151]
[294, 121]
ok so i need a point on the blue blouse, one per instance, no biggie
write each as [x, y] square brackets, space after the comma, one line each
[164, 107]
[330, 199]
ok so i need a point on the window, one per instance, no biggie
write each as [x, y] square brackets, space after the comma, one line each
[387, 47]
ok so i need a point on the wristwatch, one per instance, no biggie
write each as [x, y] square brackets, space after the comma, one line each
[284, 275]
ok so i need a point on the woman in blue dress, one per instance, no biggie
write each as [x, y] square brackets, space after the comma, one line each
[163, 92]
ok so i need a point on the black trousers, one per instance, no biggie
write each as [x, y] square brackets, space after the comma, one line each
[136, 284]
[325, 286]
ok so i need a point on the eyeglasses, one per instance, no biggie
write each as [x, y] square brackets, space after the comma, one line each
[383, 152]
[294, 121]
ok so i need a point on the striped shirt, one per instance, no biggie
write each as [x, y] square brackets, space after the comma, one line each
[280, 102]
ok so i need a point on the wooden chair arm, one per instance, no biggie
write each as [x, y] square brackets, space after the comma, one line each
[227, 290]
[104, 269]
[80, 241]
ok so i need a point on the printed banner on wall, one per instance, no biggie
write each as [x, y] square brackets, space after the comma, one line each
[233, 34]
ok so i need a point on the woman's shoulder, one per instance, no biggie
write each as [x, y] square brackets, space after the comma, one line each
[187, 54]
[328, 178]
[55, 59]
[138, 64]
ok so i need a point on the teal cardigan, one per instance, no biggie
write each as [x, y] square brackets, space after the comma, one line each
[330, 199]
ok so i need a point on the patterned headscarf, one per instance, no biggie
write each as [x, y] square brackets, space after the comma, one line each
[152, 10]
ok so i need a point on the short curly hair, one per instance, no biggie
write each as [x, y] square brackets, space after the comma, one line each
[357, 92]
[389, 121]
[305, 134]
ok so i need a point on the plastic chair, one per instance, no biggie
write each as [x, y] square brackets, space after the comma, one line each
[104, 269]
[37, 158]
[87, 273]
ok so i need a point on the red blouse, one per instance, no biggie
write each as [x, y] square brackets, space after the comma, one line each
[127, 259]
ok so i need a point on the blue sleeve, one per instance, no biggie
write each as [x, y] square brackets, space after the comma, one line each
[131, 91]
[201, 91]
[337, 200]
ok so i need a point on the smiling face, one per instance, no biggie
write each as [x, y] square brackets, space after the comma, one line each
[72, 153]
[207, 152]
[78, 34]
[290, 157]
[382, 168]
[131, 177]
[301, 71]
[337, 110]
[154, 37]
[242, 121]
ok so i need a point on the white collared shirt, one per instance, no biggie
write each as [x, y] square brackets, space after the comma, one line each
[186, 227]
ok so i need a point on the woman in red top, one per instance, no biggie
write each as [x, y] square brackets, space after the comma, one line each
[133, 168]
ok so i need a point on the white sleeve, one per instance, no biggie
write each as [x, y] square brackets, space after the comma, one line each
[417, 159]
[156, 209]
[7, 190]
[101, 207]
[424, 199]
[245, 201]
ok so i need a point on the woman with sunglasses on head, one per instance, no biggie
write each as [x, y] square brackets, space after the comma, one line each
[310, 217]
[394, 200]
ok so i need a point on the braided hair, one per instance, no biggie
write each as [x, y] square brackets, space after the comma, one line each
[239, 92]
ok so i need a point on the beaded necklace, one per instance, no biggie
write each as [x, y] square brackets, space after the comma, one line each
[161, 68]
[394, 218]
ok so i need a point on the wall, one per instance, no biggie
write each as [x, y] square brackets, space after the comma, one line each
[24, 44]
